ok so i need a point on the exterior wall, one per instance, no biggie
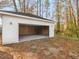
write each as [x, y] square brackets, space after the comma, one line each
[51, 31]
[10, 33]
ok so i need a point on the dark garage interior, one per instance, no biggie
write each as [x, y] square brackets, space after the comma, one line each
[30, 32]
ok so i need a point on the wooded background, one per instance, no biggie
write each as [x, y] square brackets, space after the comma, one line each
[64, 12]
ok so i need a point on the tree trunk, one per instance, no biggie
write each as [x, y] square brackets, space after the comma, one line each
[24, 6]
[20, 5]
[58, 15]
[37, 7]
[15, 6]
[27, 6]
[40, 7]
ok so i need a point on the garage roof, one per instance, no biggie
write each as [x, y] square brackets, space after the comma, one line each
[25, 14]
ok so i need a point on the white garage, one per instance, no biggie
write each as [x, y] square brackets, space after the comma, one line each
[19, 27]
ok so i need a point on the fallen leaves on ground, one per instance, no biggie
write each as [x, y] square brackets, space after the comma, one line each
[56, 48]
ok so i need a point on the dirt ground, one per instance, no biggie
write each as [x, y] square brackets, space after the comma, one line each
[56, 48]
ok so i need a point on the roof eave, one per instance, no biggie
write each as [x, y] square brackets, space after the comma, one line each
[23, 16]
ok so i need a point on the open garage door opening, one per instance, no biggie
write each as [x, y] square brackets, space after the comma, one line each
[32, 32]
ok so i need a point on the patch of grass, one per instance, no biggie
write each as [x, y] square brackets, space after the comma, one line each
[68, 37]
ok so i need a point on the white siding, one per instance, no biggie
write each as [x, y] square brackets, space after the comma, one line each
[0, 20]
[0, 24]
[10, 33]
[51, 31]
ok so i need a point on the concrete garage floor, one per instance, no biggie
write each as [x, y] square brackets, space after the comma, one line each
[31, 37]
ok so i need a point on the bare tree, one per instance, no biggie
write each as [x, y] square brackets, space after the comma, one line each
[5, 3]
[58, 12]
[77, 8]
[37, 7]
[24, 6]
[47, 7]
[15, 6]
